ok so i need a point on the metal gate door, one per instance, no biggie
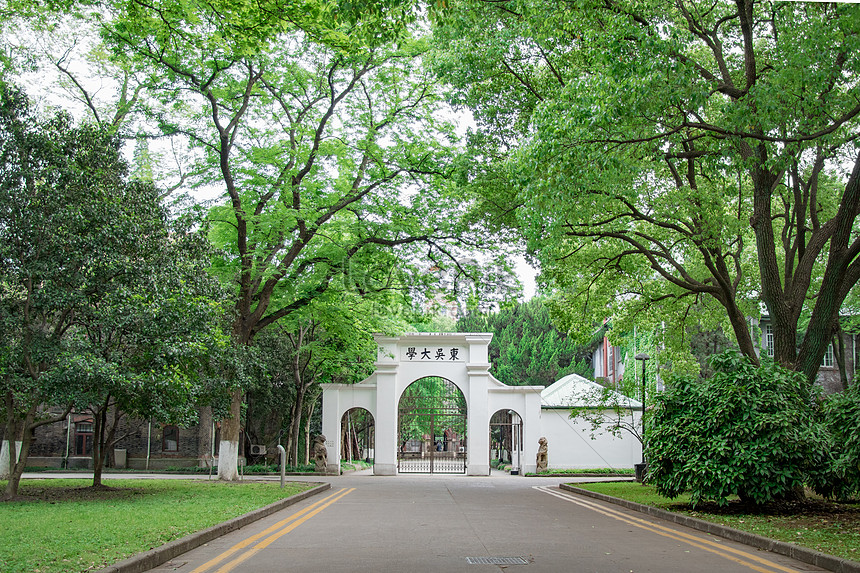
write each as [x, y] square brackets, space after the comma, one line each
[432, 429]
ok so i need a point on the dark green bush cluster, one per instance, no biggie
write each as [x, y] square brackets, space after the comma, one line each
[761, 433]
[841, 413]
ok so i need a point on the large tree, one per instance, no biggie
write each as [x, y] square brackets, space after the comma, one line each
[76, 239]
[655, 153]
[138, 349]
[322, 139]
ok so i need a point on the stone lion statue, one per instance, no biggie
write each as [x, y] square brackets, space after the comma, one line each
[320, 454]
[542, 457]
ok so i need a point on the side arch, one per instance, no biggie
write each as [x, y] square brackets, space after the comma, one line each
[357, 435]
[506, 441]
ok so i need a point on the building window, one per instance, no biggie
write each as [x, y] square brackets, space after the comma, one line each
[170, 441]
[84, 438]
[827, 360]
[768, 339]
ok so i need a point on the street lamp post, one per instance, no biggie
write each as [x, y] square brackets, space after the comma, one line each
[640, 471]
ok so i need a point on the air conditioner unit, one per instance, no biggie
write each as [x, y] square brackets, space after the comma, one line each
[258, 450]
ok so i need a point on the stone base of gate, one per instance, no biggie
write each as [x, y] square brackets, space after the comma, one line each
[478, 470]
[332, 469]
[385, 469]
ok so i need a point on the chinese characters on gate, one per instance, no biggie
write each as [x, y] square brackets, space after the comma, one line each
[414, 353]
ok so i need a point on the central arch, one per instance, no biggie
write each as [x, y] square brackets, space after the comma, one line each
[431, 427]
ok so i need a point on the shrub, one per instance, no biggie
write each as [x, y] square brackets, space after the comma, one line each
[753, 432]
[842, 417]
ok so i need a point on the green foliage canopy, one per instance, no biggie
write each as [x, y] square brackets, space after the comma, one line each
[661, 157]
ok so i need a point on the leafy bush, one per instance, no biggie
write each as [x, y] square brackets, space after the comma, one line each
[261, 468]
[248, 469]
[753, 432]
[355, 465]
[842, 417]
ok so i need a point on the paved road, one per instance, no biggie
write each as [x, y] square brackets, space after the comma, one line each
[436, 523]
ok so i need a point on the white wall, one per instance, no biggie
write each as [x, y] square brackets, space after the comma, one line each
[569, 444]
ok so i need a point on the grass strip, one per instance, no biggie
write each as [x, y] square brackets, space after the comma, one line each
[67, 526]
[825, 526]
[587, 472]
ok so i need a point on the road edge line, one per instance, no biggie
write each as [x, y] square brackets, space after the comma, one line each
[810, 556]
[160, 555]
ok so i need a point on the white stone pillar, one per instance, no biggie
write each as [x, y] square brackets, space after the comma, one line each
[532, 432]
[385, 456]
[478, 419]
[478, 422]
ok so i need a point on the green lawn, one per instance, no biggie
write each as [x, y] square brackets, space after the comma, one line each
[68, 527]
[824, 526]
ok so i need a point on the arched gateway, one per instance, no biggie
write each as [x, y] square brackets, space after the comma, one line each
[432, 428]
[460, 361]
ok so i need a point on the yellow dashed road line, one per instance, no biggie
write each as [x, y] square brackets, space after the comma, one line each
[730, 553]
[274, 532]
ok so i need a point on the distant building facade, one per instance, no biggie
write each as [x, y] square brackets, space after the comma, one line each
[608, 362]
[829, 376]
[142, 445]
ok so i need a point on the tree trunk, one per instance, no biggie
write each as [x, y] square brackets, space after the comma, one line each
[741, 330]
[99, 442]
[777, 297]
[7, 462]
[107, 440]
[311, 407]
[204, 445]
[821, 329]
[839, 356]
[23, 428]
[17, 466]
[288, 445]
[296, 425]
[12, 441]
[837, 280]
[228, 449]
[306, 457]
[231, 426]
[356, 445]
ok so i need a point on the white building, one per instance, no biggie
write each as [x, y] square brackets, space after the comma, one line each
[570, 441]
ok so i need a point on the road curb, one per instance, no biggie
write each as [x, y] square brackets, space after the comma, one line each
[823, 560]
[159, 555]
[587, 475]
